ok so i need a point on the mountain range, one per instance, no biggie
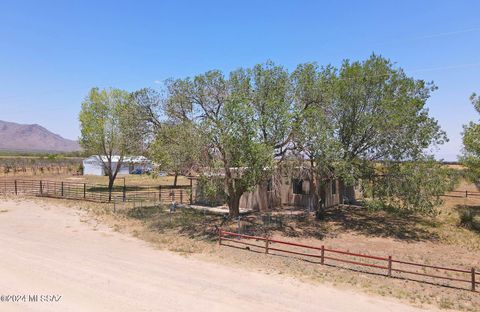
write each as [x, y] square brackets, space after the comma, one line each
[33, 138]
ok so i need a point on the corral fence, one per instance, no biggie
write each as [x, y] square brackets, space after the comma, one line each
[96, 193]
[387, 266]
[463, 194]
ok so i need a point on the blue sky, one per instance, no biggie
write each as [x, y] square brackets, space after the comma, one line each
[53, 52]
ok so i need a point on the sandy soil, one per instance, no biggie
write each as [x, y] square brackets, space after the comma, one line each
[55, 250]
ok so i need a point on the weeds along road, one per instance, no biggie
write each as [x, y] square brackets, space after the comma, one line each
[46, 249]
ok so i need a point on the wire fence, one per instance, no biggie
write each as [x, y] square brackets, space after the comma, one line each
[387, 266]
[96, 193]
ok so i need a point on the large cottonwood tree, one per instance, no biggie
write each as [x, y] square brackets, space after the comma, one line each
[221, 110]
[361, 114]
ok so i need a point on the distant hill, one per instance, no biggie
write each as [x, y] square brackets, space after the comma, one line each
[33, 138]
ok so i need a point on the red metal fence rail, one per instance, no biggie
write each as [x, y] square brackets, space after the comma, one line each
[383, 263]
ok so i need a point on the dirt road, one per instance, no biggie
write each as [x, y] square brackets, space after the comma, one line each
[53, 250]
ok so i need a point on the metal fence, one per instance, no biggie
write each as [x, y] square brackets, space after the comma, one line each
[387, 266]
[96, 193]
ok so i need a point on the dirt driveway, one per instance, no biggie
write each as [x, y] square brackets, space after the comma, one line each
[47, 249]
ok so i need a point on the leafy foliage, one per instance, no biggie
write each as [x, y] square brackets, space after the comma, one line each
[110, 126]
[413, 187]
[471, 143]
[177, 148]
[342, 121]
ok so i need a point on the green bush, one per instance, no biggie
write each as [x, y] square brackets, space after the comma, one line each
[210, 191]
[414, 187]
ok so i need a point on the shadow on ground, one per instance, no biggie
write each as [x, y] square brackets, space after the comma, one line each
[196, 224]
[382, 224]
[469, 217]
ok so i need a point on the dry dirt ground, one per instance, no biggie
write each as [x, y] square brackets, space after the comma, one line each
[49, 248]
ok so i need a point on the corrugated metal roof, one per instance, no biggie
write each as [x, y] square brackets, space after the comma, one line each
[116, 158]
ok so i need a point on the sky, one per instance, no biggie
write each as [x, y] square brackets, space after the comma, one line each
[53, 52]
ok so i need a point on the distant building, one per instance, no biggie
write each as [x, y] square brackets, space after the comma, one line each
[131, 165]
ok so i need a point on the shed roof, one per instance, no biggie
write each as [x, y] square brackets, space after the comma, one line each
[116, 158]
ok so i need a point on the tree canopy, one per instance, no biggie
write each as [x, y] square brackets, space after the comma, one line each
[471, 143]
[110, 127]
[241, 126]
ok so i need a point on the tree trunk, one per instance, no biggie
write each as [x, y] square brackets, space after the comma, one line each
[320, 215]
[111, 179]
[314, 190]
[175, 179]
[234, 205]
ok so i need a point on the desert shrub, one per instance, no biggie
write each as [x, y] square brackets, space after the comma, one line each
[466, 218]
[469, 219]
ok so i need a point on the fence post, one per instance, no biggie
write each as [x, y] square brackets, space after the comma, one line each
[266, 245]
[191, 191]
[124, 192]
[84, 190]
[322, 261]
[466, 193]
[181, 196]
[41, 188]
[62, 188]
[473, 279]
[16, 193]
[389, 266]
[160, 194]
[219, 236]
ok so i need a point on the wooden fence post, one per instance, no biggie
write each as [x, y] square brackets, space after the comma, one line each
[266, 245]
[191, 191]
[322, 261]
[16, 193]
[160, 194]
[219, 236]
[473, 279]
[181, 196]
[84, 190]
[62, 188]
[389, 266]
[41, 188]
[466, 193]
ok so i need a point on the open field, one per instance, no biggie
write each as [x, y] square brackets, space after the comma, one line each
[50, 249]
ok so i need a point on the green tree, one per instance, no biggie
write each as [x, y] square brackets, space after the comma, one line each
[471, 143]
[314, 132]
[110, 127]
[413, 187]
[174, 143]
[221, 111]
[380, 112]
[178, 148]
[359, 115]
